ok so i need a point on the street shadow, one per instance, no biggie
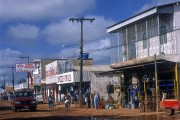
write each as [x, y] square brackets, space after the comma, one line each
[5, 108]
[23, 110]
[56, 118]
[142, 117]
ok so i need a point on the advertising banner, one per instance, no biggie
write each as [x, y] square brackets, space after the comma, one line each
[37, 79]
[65, 78]
[29, 67]
[51, 72]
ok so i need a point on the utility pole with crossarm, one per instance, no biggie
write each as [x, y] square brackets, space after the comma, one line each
[81, 20]
[27, 72]
[12, 76]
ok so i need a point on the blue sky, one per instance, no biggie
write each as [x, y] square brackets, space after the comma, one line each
[39, 28]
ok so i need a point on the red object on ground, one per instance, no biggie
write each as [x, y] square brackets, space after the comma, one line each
[170, 105]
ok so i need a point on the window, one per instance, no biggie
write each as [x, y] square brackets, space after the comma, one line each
[141, 31]
[131, 36]
[163, 35]
[152, 27]
[165, 26]
[145, 44]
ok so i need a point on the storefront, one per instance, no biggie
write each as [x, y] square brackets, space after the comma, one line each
[68, 83]
[138, 82]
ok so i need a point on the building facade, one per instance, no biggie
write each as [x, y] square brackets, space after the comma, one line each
[146, 53]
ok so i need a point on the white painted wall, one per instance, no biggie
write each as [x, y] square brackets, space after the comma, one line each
[177, 28]
[155, 48]
[100, 84]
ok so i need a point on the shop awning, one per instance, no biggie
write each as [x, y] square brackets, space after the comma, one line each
[94, 68]
[141, 61]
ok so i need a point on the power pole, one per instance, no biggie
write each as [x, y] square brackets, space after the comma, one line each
[4, 84]
[155, 65]
[27, 72]
[81, 20]
[12, 76]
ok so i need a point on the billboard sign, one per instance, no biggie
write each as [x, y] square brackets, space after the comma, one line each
[65, 78]
[51, 72]
[25, 67]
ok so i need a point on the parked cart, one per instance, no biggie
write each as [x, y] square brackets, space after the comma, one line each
[170, 105]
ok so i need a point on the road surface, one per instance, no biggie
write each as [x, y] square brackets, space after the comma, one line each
[75, 113]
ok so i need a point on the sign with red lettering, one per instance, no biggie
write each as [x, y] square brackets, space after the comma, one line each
[51, 72]
[25, 67]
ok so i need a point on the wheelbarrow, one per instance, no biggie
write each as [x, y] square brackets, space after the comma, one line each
[170, 105]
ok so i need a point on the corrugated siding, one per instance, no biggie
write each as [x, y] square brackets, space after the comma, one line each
[86, 76]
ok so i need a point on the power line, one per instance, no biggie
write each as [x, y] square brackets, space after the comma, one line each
[81, 20]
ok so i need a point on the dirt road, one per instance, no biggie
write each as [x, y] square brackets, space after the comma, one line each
[75, 113]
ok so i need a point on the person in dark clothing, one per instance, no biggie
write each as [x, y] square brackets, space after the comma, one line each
[88, 103]
[50, 100]
[75, 98]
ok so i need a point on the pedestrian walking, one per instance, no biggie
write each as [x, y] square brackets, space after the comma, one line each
[75, 98]
[51, 100]
[164, 95]
[96, 99]
[67, 102]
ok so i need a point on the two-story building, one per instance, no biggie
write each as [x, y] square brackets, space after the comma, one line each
[145, 50]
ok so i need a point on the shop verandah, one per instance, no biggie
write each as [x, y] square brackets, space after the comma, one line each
[138, 83]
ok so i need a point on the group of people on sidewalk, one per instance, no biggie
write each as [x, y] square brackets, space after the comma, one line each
[91, 100]
[51, 100]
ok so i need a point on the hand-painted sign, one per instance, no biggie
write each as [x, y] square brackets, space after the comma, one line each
[25, 67]
[65, 78]
[51, 72]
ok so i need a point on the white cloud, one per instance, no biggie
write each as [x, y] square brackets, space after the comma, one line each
[69, 53]
[95, 50]
[66, 32]
[42, 9]
[23, 31]
[61, 33]
[98, 51]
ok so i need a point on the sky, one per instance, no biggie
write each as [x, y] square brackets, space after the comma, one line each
[41, 29]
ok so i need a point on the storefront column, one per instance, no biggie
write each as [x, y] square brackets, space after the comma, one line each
[176, 82]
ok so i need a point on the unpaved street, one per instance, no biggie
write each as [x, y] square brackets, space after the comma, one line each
[76, 114]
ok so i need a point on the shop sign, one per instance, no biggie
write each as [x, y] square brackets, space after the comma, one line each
[65, 78]
[51, 72]
[25, 67]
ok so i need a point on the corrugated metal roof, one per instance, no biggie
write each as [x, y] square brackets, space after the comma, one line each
[94, 68]
[140, 15]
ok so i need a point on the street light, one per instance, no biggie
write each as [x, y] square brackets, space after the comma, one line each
[69, 46]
